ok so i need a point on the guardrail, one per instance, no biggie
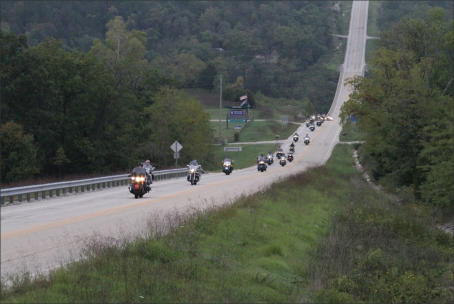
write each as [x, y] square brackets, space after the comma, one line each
[62, 188]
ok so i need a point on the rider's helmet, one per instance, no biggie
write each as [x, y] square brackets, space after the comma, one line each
[147, 161]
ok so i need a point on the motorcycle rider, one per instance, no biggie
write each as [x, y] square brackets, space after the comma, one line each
[139, 170]
[307, 137]
[198, 166]
[149, 169]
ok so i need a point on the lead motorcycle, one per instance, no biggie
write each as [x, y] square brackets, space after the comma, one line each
[193, 174]
[139, 185]
[227, 166]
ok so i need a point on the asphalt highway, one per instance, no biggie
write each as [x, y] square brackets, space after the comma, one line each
[42, 235]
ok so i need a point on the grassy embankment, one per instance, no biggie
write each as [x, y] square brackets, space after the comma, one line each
[256, 130]
[321, 236]
[350, 132]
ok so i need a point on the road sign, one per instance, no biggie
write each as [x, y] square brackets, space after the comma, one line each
[176, 146]
[176, 155]
[233, 149]
[284, 120]
[237, 115]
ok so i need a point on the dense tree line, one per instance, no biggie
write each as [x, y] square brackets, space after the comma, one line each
[406, 108]
[275, 46]
[73, 112]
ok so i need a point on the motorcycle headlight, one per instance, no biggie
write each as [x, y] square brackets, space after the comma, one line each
[133, 178]
[191, 170]
[227, 164]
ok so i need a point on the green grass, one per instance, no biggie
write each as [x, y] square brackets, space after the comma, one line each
[350, 132]
[258, 249]
[246, 158]
[256, 130]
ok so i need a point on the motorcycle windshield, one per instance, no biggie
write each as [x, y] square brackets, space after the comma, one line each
[192, 168]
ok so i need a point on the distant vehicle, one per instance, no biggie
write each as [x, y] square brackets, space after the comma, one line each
[307, 140]
[261, 165]
[269, 159]
[282, 160]
[312, 127]
[227, 166]
[295, 137]
[279, 153]
[290, 157]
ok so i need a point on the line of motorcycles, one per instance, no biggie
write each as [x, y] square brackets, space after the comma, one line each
[142, 179]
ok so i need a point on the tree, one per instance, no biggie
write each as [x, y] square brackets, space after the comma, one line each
[123, 52]
[176, 116]
[406, 112]
[18, 153]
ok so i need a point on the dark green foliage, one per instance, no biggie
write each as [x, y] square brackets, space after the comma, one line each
[18, 153]
[86, 111]
[381, 252]
[275, 46]
[405, 109]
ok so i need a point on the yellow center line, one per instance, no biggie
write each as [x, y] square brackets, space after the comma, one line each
[113, 210]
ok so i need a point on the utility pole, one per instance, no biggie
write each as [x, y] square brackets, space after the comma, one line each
[220, 108]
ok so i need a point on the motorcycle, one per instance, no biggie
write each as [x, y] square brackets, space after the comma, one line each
[290, 157]
[319, 122]
[269, 159]
[227, 166]
[279, 153]
[282, 161]
[138, 185]
[306, 140]
[308, 124]
[295, 138]
[193, 174]
[312, 128]
[261, 166]
[292, 149]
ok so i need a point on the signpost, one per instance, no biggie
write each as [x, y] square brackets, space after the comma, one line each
[176, 147]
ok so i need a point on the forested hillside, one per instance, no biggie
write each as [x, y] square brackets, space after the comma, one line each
[274, 46]
[406, 109]
[96, 112]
